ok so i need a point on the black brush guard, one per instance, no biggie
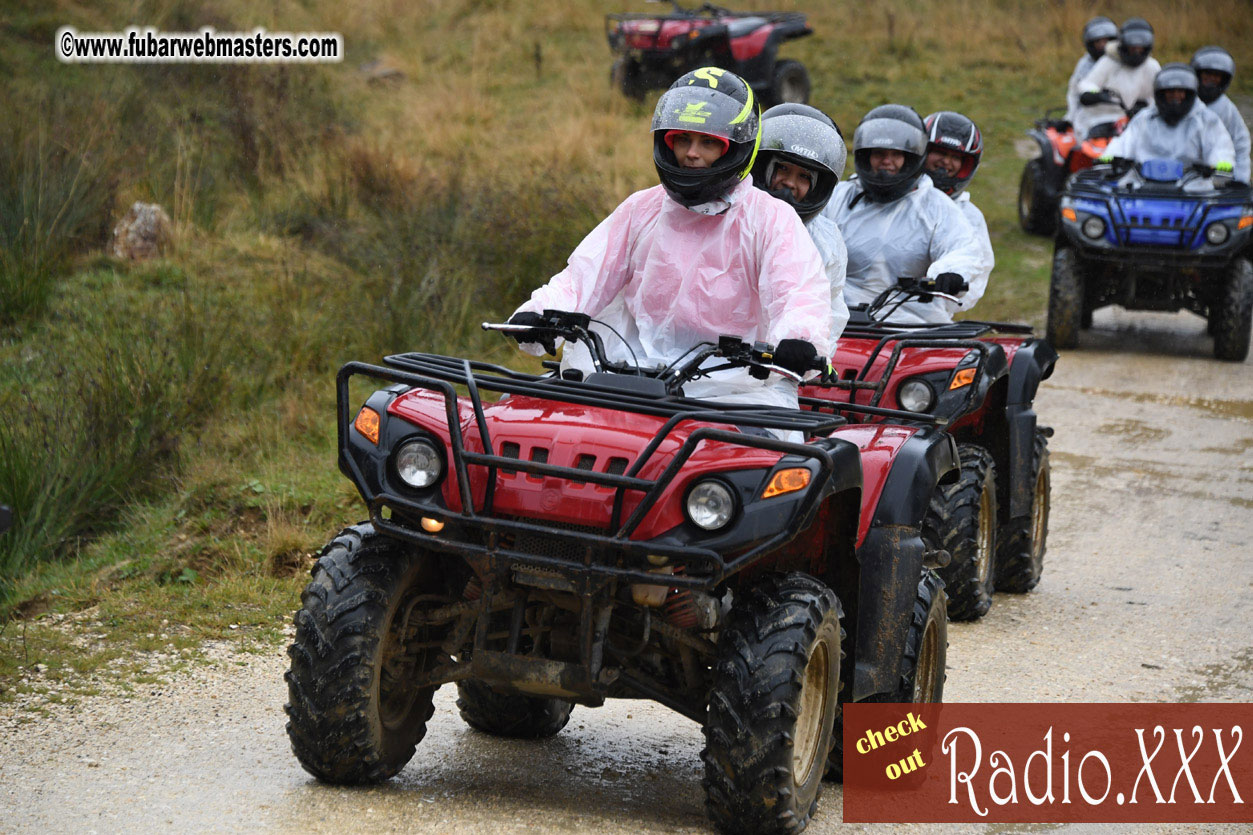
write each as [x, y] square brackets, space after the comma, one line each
[953, 335]
[704, 567]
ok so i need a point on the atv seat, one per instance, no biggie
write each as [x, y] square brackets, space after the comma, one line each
[740, 27]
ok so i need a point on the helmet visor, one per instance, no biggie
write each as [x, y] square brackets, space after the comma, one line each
[892, 134]
[703, 110]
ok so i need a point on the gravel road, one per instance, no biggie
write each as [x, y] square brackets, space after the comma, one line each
[1146, 596]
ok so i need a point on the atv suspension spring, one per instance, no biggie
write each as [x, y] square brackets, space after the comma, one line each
[680, 607]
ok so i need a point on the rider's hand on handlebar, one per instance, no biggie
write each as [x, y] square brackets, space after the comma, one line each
[798, 356]
[950, 284]
[1089, 97]
[545, 338]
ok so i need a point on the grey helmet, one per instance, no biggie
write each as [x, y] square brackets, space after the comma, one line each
[1213, 59]
[1098, 28]
[1174, 76]
[806, 137]
[894, 127]
[1135, 32]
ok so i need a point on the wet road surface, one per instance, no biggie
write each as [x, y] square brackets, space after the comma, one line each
[1146, 595]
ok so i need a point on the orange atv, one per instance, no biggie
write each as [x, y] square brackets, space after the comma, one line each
[1062, 153]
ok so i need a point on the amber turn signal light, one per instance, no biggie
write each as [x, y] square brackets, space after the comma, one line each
[367, 423]
[787, 481]
[1070, 215]
[1245, 222]
[963, 377]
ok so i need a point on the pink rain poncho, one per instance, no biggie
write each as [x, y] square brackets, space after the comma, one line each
[667, 278]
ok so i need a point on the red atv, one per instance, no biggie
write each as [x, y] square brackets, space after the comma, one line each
[1062, 153]
[978, 379]
[582, 539]
[654, 50]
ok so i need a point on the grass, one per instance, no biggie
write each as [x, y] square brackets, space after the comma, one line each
[166, 429]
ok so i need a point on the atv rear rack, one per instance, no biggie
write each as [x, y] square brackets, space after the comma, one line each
[604, 555]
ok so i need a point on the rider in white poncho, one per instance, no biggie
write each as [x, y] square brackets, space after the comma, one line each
[1214, 70]
[896, 223]
[701, 255]
[1176, 126]
[801, 159]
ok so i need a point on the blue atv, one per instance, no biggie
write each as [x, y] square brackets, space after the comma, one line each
[1154, 236]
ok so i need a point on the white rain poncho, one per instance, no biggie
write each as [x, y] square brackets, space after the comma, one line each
[1131, 83]
[1082, 67]
[1197, 137]
[1230, 116]
[826, 236]
[919, 235]
[667, 278]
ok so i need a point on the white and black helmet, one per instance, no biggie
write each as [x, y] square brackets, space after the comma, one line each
[806, 137]
[1213, 59]
[712, 101]
[1096, 29]
[889, 127]
[954, 132]
[1174, 76]
[1135, 33]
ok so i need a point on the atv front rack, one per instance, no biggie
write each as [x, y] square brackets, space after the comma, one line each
[602, 555]
[905, 337]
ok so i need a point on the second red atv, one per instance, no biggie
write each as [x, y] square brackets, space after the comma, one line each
[546, 541]
[654, 50]
[979, 379]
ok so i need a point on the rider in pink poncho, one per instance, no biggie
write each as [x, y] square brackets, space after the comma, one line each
[701, 255]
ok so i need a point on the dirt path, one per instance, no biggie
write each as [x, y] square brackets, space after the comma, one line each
[1146, 595]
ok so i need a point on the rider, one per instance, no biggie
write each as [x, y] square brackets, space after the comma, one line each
[1214, 69]
[1125, 72]
[895, 222]
[700, 255]
[1097, 32]
[1176, 126]
[801, 159]
[954, 148]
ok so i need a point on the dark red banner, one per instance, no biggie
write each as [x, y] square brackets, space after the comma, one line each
[1048, 763]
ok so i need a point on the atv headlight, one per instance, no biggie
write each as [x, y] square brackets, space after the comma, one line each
[418, 463]
[710, 505]
[1093, 227]
[1217, 233]
[916, 396]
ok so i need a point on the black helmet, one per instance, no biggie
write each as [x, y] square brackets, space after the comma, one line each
[954, 132]
[1213, 59]
[717, 102]
[803, 136]
[1174, 76]
[895, 127]
[1098, 28]
[1135, 32]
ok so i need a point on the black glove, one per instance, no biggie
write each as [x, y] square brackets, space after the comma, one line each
[1100, 97]
[544, 337]
[950, 284]
[796, 355]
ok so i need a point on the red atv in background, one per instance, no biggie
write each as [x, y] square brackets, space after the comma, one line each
[578, 539]
[979, 380]
[654, 50]
[1062, 153]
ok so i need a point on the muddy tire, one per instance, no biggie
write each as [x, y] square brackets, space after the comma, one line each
[773, 706]
[1035, 209]
[1065, 316]
[1231, 320]
[1020, 549]
[924, 662]
[512, 715]
[789, 84]
[352, 717]
[624, 76]
[961, 519]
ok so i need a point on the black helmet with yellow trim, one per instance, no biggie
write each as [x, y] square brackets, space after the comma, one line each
[715, 102]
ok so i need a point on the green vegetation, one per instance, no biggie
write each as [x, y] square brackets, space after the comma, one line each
[166, 429]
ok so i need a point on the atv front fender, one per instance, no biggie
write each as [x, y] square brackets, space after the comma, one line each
[1032, 363]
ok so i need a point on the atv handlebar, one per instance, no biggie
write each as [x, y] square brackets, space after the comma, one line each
[908, 289]
[576, 327]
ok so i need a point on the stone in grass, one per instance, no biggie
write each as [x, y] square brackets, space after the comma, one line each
[143, 233]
